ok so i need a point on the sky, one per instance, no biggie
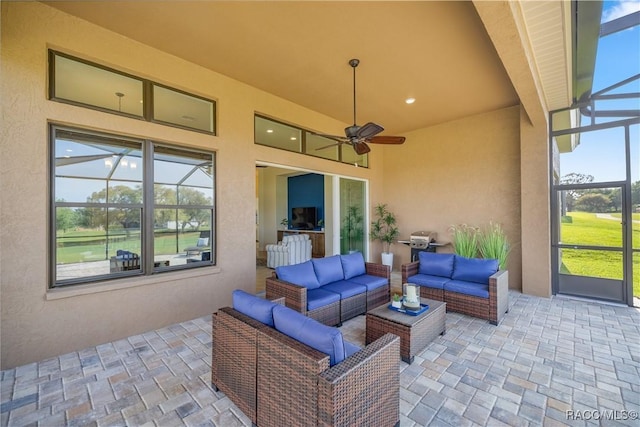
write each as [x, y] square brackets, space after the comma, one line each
[601, 154]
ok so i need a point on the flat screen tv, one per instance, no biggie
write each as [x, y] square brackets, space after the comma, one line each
[303, 218]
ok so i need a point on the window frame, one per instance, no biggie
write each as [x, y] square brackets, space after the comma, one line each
[147, 94]
[147, 208]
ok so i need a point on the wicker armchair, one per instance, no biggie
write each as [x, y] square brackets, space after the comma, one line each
[491, 309]
[275, 380]
[297, 387]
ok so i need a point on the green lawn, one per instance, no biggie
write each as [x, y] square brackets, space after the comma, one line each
[90, 245]
[586, 229]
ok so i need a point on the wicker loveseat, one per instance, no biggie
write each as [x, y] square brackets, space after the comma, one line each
[331, 289]
[282, 368]
[470, 286]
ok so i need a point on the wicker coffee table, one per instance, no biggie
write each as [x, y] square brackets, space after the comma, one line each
[415, 332]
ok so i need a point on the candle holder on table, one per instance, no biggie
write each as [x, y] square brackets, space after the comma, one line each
[411, 296]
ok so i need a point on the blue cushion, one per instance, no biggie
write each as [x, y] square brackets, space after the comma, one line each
[319, 297]
[328, 269]
[308, 331]
[475, 270]
[467, 288]
[353, 265]
[257, 308]
[435, 282]
[371, 282]
[345, 289]
[434, 264]
[299, 274]
[350, 349]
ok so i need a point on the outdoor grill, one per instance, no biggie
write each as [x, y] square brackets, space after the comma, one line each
[420, 241]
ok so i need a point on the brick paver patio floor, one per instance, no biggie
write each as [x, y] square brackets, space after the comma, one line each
[550, 362]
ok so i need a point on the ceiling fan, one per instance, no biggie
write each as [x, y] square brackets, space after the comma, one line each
[359, 136]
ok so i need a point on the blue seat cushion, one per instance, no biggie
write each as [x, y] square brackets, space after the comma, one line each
[353, 265]
[319, 297]
[467, 288]
[257, 308]
[345, 289]
[301, 274]
[435, 282]
[475, 270]
[350, 349]
[434, 264]
[308, 331]
[328, 269]
[371, 282]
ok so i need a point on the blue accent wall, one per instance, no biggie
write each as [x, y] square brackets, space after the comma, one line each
[306, 191]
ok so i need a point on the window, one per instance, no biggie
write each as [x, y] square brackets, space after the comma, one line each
[83, 83]
[275, 134]
[124, 206]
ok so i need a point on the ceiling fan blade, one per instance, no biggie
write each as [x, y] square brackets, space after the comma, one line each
[382, 139]
[361, 148]
[369, 130]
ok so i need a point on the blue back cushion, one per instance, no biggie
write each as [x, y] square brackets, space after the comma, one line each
[299, 274]
[353, 265]
[257, 308]
[475, 270]
[328, 270]
[308, 331]
[434, 264]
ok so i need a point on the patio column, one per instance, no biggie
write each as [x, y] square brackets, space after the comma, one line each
[535, 211]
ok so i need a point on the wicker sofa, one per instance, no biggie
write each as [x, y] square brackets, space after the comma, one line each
[282, 368]
[331, 289]
[469, 286]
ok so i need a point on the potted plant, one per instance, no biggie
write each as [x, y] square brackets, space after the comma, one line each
[385, 230]
[321, 224]
[284, 223]
[396, 301]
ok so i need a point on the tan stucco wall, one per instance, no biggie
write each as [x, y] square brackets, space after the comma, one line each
[37, 323]
[462, 172]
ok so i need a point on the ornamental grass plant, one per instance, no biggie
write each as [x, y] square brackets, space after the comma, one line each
[493, 244]
[465, 240]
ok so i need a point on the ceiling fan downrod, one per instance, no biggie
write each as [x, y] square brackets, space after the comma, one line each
[354, 63]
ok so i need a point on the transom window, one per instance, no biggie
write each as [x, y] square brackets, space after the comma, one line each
[124, 206]
[79, 82]
[291, 138]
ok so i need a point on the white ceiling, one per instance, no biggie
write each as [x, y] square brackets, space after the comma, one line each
[436, 52]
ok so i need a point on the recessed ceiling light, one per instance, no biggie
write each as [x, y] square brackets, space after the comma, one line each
[410, 100]
[269, 130]
[293, 138]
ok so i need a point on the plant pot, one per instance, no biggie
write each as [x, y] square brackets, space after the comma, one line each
[396, 304]
[387, 259]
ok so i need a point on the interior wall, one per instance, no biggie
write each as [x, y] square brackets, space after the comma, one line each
[462, 172]
[36, 322]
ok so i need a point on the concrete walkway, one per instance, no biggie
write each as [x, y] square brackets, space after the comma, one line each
[550, 362]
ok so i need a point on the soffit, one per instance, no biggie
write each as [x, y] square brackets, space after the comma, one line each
[548, 27]
[436, 52]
